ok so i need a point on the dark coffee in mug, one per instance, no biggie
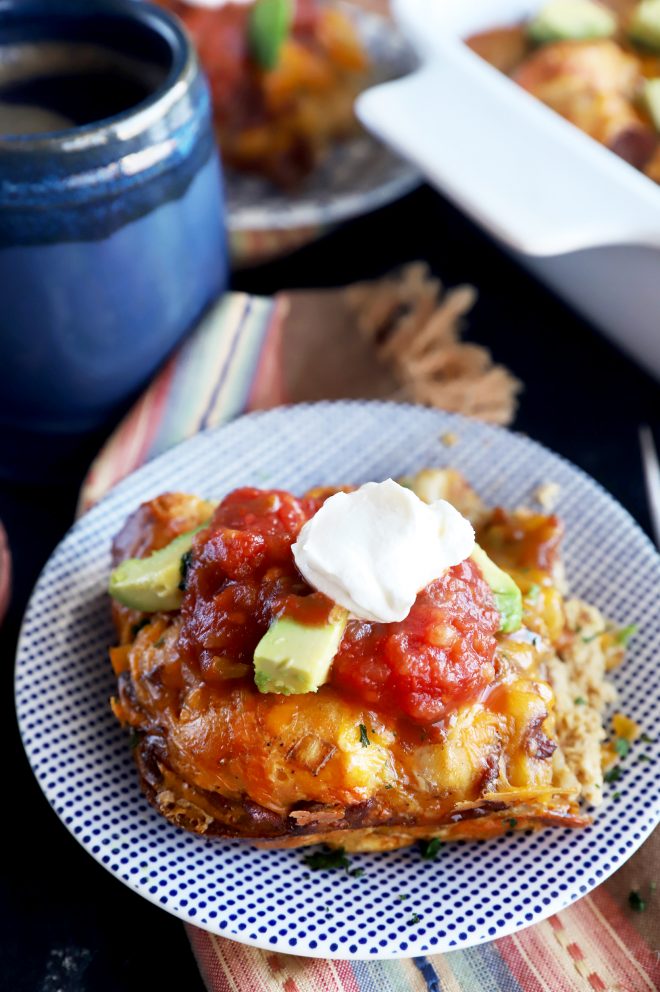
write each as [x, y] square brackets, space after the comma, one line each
[50, 86]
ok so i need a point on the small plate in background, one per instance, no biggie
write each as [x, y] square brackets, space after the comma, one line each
[357, 176]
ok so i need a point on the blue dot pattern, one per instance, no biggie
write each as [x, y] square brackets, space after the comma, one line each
[473, 891]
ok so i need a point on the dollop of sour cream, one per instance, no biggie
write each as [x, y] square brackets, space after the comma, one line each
[374, 549]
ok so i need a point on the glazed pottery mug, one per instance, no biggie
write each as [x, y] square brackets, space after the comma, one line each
[112, 237]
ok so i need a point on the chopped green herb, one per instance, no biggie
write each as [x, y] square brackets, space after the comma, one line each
[137, 627]
[622, 747]
[533, 592]
[402, 896]
[356, 872]
[364, 740]
[643, 757]
[647, 739]
[268, 27]
[429, 848]
[625, 633]
[580, 701]
[388, 786]
[593, 637]
[186, 561]
[512, 822]
[613, 774]
[326, 859]
[636, 902]
[414, 920]
[616, 796]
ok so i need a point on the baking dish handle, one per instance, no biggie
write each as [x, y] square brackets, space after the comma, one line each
[532, 179]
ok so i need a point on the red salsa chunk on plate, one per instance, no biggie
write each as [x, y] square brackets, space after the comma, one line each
[438, 656]
[242, 576]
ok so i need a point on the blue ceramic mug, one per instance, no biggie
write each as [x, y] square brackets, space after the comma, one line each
[112, 237]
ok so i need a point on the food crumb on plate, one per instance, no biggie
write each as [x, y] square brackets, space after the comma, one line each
[546, 495]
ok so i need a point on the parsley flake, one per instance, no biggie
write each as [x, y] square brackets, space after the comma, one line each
[643, 757]
[622, 746]
[512, 822]
[616, 796]
[580, 701]
[429, 848]
[356, 872]
[647, 739]
[625, 633]
[186, 561]
[327, 858]
[402, 896]
[592, 637]
[533, 592]
[414, 920]
[613, 774]
[364, 739]
[636, 902]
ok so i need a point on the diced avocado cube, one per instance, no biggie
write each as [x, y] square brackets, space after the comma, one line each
[644, 24]
[293, 657]
[154, 583]
[652, 97]
[507, 595]
[572, 20]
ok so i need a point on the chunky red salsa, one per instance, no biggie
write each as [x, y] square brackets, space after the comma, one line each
[242, 575]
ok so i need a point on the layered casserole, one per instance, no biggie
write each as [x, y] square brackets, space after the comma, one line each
[476, 712]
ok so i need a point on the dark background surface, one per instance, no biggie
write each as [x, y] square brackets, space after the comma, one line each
[66, 924]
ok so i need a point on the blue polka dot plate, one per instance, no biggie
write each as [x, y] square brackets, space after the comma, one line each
[473, 891]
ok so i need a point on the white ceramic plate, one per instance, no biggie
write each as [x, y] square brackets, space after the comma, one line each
[357, 176]
[473, 891]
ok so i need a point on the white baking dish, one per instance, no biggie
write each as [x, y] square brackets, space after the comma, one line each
[581, 219]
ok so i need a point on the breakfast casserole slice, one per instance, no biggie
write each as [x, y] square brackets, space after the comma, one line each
[263, 708]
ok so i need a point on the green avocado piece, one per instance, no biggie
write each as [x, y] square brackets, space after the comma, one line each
[644, 24]
[652, 97]
[507, 595]
[293, 657]
[157, 582]
[571, 20]
[269, 25]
